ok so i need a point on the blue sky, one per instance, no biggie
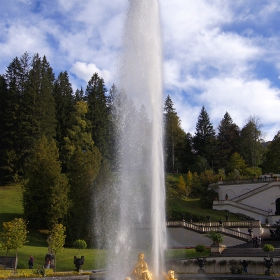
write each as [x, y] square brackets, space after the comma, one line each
[222, 54]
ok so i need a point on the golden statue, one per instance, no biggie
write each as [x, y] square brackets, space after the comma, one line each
[170, 275]
[141, 271]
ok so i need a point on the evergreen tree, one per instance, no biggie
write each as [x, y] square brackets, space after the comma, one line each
[45, 193]
[79, 95]
[114, 95]
[271, 162]
[83, 164]
[98, 116]
[204, 141]
[3, 142]
[64, 101]
[175, 138]
[251, 142]
[15, 140]
[228, 140]
[40, 98]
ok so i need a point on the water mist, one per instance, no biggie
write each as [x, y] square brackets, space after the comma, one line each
[135, 205]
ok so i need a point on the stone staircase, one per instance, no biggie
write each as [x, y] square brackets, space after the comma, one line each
[247, 250]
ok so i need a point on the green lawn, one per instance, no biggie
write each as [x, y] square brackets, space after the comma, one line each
[11, 207]
[191, 207]
[10, 202]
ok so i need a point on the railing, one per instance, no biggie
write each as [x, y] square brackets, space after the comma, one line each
[241, 206]
[227, 224]
[252, 192]
[246, 181]
[207, 228]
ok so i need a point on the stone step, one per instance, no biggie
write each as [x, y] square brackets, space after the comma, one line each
[249, 252]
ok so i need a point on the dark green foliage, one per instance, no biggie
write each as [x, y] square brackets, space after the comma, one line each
[95, 96]
[41, 103]
[207, 198]
[45, 193]
[176, 142]
[83, 163]
[15, 138]
[3, 141]
[228, 140]
[64, 101]
[200, 248]
[272, 156]
[204, 141]
[251, 142]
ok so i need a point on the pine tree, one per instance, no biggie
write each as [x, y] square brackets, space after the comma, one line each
[45, 193]
[83, 164]
[40, 98]
[79, 95]
[16, 139]
[3, 142]
[64, 101]
[228, 140]
[95, 96]
[175, 138]
[271, 162]
[204, 141]
[251, 142]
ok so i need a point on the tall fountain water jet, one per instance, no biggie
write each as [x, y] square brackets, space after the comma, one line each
[137, 201]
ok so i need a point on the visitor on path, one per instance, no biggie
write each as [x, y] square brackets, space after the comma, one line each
[259, 241]
[245, 266]
[31, 262]
[254, 239]
[48, 263]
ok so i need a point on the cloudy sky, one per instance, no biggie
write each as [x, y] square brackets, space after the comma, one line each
[222, 54]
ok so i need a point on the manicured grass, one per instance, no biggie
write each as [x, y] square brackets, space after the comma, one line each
[94, 258]
[10, 202]
[11, 207]
[192, 207]
[172, 254]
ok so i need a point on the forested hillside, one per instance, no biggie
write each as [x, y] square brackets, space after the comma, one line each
[61, 145]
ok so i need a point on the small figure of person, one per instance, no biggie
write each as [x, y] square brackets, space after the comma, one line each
[227, 217]
[141, 269]
[31, 262]
[259, 241]
[183, 217]
[191, 218]
[48, 263]
[254, 241]
[250, 231]
[245, 266]
[220, 222]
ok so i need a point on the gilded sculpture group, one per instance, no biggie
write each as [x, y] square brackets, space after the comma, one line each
[141, 271]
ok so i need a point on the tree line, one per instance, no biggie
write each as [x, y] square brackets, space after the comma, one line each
[229, 151]
[62, 144]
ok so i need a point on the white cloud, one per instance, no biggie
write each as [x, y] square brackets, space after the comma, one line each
[85, 71]
[212, 49]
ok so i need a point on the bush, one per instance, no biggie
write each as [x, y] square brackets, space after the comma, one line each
[222, 262]
[215, 237]
[207, 197]
[268, 248]
[200, 248]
